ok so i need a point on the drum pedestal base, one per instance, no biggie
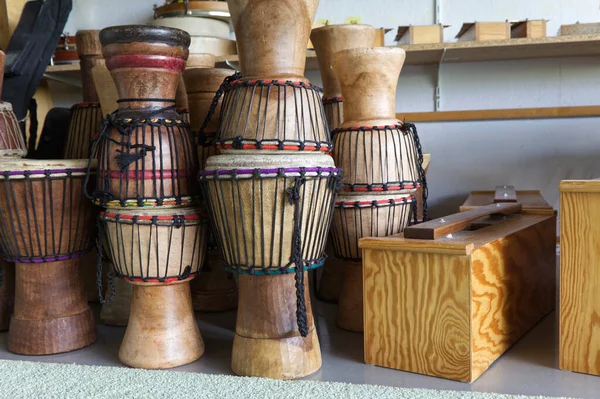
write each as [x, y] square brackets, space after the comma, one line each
[350, 306]
[51, 313]
[214, 290]
[162, 330]
[116, 313]
[7, 294]
[267, 342]
[332, 279]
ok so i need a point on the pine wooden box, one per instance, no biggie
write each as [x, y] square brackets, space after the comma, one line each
[528, 28]
[483, 31]
[579, 331]
[420, 34]
[451, 306]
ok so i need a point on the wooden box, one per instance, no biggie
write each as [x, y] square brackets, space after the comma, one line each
[532, 200]
[380, 37]
[580, 29]
[449, 307]
[527, 28]
[482, 31]
[579, 321]
[420, 34]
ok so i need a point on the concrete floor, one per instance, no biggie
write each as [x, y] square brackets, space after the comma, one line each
[530, 367]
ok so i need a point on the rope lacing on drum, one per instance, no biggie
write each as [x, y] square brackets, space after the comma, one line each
[110, 276]
[410, 127]
[202, 137]
[296, 258]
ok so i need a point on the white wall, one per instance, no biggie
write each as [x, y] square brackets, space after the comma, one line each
[530, 154]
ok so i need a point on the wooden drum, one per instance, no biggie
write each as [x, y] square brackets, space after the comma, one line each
[158, 250]
[194, 8]
[45, 225]
[271, 218]
[146, 155]
[328, 40]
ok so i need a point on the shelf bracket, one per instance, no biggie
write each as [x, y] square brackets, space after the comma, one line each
[437, 5]
[438, 96]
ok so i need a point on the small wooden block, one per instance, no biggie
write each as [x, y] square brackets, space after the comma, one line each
[580, 29]
[420, 34]
[505, 194]
[450, 307]
[482, 31]
[533, 28]
[579, 332]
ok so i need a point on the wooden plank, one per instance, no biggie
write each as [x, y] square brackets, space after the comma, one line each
[441, 227]
[501, 114]
[505, 194]
[435, 340]
[579, 316]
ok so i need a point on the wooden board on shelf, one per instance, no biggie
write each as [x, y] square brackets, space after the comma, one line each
[501, 114]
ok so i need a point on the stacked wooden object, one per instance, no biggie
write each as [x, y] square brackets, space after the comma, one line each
[154, 228]
[447, 297]
[272, 188]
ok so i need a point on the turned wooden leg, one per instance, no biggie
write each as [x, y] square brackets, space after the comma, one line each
[267, 342]
[350, 306]
[162, 330]
[214, 290]
[51, 312]
[332, 279]
[116, 313]
[7, 294]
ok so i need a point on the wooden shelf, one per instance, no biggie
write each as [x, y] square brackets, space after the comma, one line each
[501, 114]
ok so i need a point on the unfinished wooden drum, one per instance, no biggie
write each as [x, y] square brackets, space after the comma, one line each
[272, 106]
[146, 155]
[253, 201]
[158, 250]
[45, 224]
[328, 40]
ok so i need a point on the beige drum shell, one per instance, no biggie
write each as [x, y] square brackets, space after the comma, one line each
[352, 223]
[377, 157]
[86, 123]
[12, 143]
[195, 26]
[263, 116]
[334, 112]
[270, 211]
[216, 46]
[43, 220]
[134, 247]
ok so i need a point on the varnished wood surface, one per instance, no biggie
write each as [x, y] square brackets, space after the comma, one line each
[417, 312]
[450, 224]
[505, 194]
[533, 201]
[350, 306]
[267, 342]
[162, 330]
[51, 313]
[7, 294]
[89, 50]
[579, 331]
[451, 315]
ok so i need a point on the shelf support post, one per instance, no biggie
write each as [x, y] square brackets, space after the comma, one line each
[437, 95]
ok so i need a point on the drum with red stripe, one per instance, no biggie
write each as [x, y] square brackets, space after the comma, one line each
[146, 155]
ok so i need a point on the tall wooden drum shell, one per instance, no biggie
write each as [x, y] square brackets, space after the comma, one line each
[252, 216]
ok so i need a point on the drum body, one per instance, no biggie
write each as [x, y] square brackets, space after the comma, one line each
[43, 213]
[273, 115]
[195, 26]
[194, 8]
[377, 158]
[216, 46]
[334, 111]
[253, 217]
[12, 143]
[155, 245]
[86, 123]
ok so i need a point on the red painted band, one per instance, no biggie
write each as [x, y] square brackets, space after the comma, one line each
[403, 200]
[274, 147]
[145, 175]
[146, 61]
[390, 188]
[156, 280]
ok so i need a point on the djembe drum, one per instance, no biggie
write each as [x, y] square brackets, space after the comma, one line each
[158, 250]
[215, 289]
[46, 224]
[12, 142]
[382, 162]
[147, 163]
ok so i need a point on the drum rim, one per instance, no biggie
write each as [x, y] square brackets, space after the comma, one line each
[148, 203]
[55, 166]
[247, 173]
[372, 201]
[189, 212]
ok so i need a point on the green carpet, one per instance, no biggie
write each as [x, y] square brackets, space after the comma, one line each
[19, 379]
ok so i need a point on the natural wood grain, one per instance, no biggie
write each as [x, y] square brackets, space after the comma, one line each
[267, 342]
[350, 307]
[7, 294]
[51, 314]
[533, 201]
[420, 34]
[484, 31]
[162, 330]
[580, 29]
[441, 227]
[451, 314]
[505, 194]
[579, 331]
[417, 312]
[533, 28]
[513, 282]
[10, 13]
